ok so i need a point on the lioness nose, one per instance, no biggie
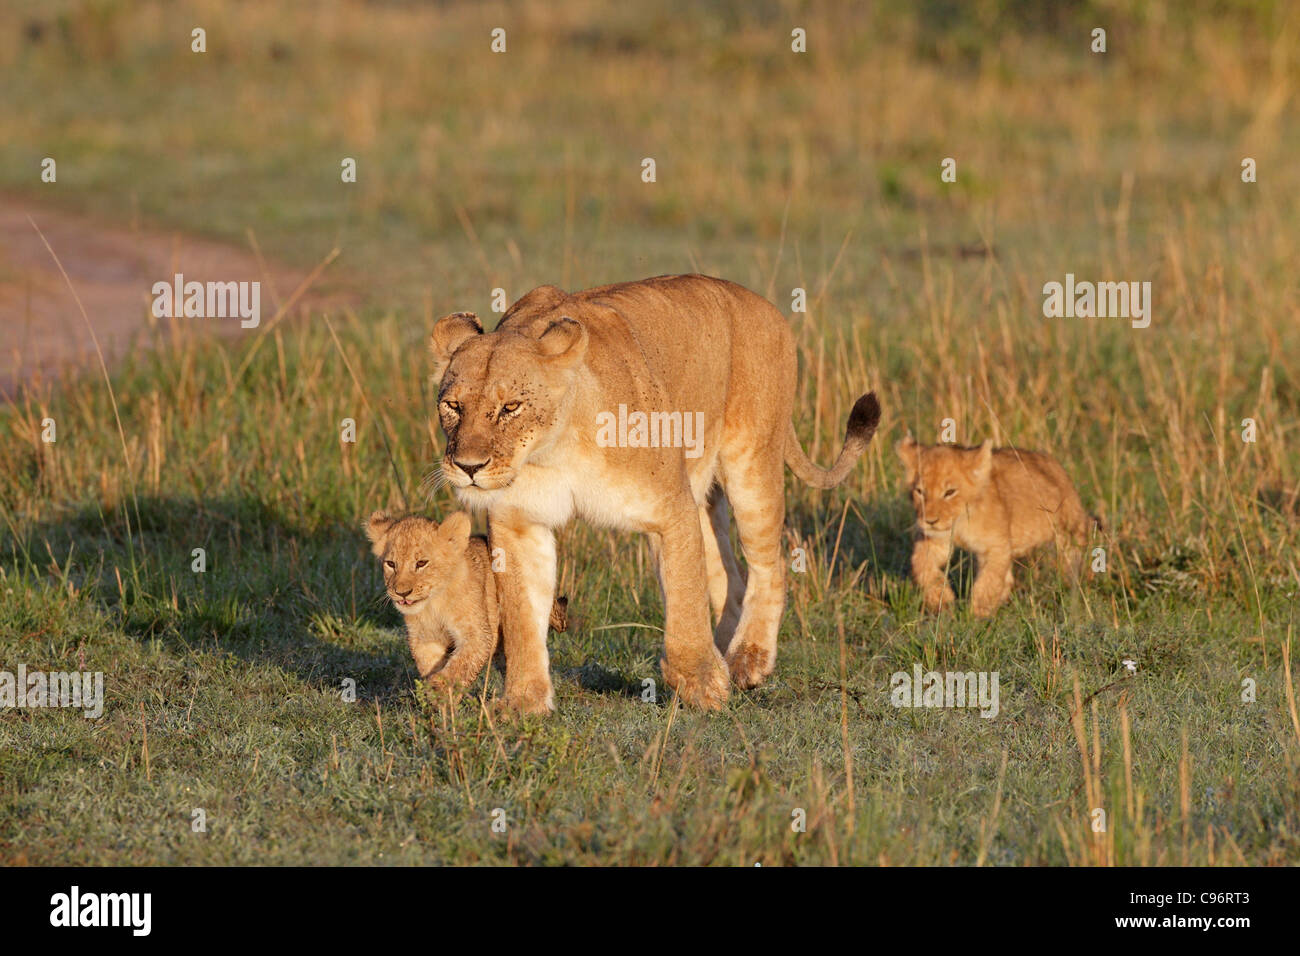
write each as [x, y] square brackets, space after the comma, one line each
[469, 467]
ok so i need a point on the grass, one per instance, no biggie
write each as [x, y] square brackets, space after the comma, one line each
[477, 172]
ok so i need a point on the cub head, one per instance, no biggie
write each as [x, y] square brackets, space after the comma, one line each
[502, 395]
[943, 481]
[421, 558]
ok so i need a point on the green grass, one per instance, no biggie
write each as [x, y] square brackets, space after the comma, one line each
[224, 688]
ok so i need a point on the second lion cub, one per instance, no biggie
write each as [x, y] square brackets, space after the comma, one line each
[440, 578]
[998, 504]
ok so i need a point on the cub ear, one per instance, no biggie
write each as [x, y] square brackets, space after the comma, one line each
[910, 454]
[455, 528]
[376, 528]
[983, 461]
[450, 333]
[564, 342]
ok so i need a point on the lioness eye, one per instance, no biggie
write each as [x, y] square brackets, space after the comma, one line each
[420, 564]
[389, 565]
[510, 408]
[950, 492]
[453, 407]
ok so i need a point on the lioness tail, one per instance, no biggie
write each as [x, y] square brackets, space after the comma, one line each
[862, 425]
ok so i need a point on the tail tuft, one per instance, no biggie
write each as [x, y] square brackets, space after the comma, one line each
[863, 419]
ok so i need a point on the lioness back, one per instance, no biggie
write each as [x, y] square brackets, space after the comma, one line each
[699, 336]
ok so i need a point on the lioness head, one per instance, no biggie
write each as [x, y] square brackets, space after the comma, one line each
[943, 480]
[502, 395]
[421, 558]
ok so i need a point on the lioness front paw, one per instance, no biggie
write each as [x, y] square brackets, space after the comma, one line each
[706, 687]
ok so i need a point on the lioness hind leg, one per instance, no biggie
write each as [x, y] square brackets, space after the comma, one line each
[755, 487]
[726, 583]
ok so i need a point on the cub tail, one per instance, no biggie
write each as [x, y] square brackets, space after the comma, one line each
[560, 614]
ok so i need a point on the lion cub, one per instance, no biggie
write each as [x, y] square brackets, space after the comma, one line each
[440, 578]
[997, 503]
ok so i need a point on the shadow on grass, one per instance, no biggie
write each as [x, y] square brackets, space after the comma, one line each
[301, 595]
[598, 679]
[876, 533]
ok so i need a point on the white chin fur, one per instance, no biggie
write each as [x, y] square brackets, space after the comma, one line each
[474, 497]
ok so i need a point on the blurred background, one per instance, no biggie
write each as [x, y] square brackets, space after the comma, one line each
[478, 169]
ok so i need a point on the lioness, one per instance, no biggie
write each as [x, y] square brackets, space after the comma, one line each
[580, 404]
[999, 504]
[440, 578]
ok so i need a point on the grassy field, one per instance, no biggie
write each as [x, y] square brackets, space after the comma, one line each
[774, 169]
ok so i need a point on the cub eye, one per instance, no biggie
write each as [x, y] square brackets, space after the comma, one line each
[950, 492]
[510, 408]
[420, 564]
[918, 492]
[390, 565]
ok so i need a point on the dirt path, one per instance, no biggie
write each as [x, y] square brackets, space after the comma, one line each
[42, 332]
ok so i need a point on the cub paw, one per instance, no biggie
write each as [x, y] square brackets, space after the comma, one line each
[532, 698]
[939, 599]
[984, 607]
[749, 664]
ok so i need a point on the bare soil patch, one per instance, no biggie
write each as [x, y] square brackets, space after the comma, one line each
[112, 269]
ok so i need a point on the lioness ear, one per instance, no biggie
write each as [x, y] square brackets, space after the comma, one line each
[564, 342]
[983, 461]
[376, 528]
[449, 334]
[907, 451]
[455, 528]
